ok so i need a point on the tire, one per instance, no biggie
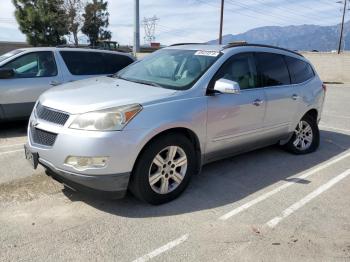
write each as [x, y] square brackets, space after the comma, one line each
[170, 177]
[308, 126]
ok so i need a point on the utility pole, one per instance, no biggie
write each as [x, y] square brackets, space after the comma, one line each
[221, 21]
[136, 47]
[342, 28]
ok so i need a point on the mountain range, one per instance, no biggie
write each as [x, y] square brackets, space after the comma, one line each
[301, 37]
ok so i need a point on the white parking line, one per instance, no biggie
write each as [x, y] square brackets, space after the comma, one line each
[290, 210]
[13, 145]
[284, 186]
[10, 152]
[335, 129]
[162, 249]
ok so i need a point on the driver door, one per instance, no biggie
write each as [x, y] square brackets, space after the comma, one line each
[35, 72]
[235, 121]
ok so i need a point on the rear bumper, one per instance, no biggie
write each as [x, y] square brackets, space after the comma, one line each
[109, 186]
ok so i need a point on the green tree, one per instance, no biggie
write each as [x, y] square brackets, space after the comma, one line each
[42, 21]
[96, 21]
[74, 12]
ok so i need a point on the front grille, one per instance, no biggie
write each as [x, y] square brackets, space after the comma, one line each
[42, 137]
[51, 115]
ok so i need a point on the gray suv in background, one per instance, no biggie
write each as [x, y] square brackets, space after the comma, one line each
[153, 125]
[26, 73]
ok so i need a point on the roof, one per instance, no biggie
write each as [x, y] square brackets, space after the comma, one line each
[70, 49]
[222, 48]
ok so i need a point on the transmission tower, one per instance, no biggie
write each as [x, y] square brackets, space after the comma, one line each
[149, 24]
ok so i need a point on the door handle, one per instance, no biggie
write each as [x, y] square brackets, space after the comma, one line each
[55, 83]
[295, 96]
[258, 102]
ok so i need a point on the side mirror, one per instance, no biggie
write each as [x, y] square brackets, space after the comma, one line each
[6, 73]
[225, 86]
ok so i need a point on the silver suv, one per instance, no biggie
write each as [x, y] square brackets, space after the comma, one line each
[153, 125]
[26, 73]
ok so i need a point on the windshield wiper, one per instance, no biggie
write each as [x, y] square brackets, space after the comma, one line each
[138, 81]
[143, 82]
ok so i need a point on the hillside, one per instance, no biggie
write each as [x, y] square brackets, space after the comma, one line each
[303, 37]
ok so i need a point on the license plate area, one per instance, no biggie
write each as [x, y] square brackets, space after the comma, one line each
[33, 158]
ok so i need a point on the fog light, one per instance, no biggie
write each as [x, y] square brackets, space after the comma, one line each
[82, 163]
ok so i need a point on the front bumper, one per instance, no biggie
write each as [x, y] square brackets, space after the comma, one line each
[110, 186]
[121, 148]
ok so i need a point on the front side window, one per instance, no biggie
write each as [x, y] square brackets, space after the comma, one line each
[272, 69]
[170, 68]
[300, 71]
[241, 69]
[36, 64]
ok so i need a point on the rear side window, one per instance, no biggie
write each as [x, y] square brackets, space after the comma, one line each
[94, 63]
[272, 69]
[300, 71]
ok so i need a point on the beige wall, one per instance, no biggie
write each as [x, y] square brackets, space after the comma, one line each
[330, 66]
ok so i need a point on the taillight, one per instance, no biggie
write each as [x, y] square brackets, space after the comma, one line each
[324, 87]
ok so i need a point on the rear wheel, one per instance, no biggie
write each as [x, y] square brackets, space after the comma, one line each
[163, 169]
[306, 137]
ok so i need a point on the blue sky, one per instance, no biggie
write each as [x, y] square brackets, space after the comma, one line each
[198, 20]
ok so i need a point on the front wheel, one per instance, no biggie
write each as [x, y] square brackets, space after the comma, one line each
[163, 169]
[306, 137]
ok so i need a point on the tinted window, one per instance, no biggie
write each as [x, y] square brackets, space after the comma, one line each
[300, 71]
[36, 64]
[94, 63]
[272, 69]
[241, 69]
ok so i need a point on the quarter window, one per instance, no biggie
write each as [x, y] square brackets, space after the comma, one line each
[272, 70]
[36, 64]
[300, 71]
[94, 63]
[241, 69]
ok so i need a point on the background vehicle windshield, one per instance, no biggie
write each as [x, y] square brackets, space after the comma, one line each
[9, 54]
[169, 68]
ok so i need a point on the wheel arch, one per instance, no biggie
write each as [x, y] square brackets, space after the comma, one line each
[188, 133]
[312, 113]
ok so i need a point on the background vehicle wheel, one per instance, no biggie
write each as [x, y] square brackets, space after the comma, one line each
[306, 137]
[163, 170]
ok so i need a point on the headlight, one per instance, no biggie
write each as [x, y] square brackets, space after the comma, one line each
[105, 120]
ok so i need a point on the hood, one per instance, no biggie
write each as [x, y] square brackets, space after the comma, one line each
[100, 93]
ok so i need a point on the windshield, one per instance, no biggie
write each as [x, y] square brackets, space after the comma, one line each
[170, 68]
[9, 54]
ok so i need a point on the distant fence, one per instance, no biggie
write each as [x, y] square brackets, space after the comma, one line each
[8, 46]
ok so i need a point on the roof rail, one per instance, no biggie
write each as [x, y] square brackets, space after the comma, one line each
[188, 44]
[236, 44]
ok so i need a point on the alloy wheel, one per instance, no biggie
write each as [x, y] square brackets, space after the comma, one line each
[168, 169]
[303, 136]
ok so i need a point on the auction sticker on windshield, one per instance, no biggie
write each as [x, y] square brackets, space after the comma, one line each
[207, 53]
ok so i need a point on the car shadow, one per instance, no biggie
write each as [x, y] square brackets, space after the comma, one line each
[228, 181]
[13, 129]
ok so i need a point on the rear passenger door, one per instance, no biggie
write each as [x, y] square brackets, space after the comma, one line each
[85, 64]
[282, 97]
